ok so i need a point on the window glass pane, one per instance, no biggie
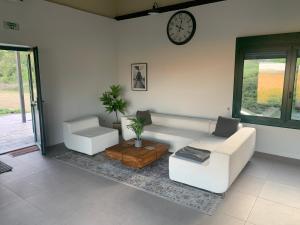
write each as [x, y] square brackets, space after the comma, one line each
[263, 82]
[296, 99]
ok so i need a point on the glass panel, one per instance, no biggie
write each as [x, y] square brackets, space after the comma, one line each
[263, 82]
[296, 99]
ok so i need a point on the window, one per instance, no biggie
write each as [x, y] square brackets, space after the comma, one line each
[267, 80]
[296, 96]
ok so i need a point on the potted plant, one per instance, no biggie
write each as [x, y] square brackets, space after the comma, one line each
[113, 102]
[137, 126]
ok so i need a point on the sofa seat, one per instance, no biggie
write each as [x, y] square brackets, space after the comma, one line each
[208, 142]
[177, 138]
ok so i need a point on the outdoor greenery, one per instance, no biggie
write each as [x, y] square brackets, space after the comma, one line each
[137, 126]
[113, 101]
[256, 100]
[250, 98]
[8, 68]
[8, 111]
[9, 88]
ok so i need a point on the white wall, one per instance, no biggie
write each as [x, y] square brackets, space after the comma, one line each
[77, 57]
[197, 79]
[78, 60]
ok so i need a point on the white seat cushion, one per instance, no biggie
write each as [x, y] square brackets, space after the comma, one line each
[94, 132]
[208, 142]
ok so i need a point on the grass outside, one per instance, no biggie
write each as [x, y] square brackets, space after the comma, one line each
[10, 102]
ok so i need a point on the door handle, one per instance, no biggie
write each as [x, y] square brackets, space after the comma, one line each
[33, 103]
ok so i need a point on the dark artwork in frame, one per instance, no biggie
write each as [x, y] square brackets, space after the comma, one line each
[139, 81]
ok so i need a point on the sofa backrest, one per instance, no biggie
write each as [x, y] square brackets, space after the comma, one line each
[183, 122]
[81, 124]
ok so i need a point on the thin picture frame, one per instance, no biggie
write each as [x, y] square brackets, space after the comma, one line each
[139, 76]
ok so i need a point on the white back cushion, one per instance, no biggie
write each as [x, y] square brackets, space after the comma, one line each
[181, 122]
[81, 124]
[185, 122]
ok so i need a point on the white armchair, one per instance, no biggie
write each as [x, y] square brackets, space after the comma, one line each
[87, 136]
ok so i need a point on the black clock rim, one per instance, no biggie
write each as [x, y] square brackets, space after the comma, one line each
[193, 31]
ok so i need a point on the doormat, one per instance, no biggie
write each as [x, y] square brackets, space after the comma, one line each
[23, 151]
[4, 168]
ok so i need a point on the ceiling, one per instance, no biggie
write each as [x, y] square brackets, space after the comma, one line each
[113, 8]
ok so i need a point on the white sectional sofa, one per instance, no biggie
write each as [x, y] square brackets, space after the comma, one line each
[85, 135]
[228, 155]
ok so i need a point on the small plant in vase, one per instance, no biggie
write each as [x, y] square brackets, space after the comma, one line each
[137, 126]
[113, 102]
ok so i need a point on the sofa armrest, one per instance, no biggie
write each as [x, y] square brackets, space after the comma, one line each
[126, 132]
[240, 148]
[244, 137]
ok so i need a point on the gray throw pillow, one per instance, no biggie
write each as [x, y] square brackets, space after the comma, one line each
[226, 127]
[145, 115]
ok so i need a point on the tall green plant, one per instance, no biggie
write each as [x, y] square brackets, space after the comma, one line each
[113, 101]
[137, 126]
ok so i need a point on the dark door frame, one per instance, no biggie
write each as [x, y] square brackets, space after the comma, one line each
[34, 50]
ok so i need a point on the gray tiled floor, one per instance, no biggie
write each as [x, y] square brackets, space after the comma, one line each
[42, 190]
[14, 134]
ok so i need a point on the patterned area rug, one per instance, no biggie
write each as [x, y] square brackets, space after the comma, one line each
[153, 179]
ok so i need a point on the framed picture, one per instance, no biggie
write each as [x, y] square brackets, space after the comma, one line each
[139, 77]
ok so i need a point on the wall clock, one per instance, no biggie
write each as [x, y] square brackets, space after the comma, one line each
[181, 27]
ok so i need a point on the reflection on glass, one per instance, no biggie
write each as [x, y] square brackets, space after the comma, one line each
[296, 99]
[263, 82]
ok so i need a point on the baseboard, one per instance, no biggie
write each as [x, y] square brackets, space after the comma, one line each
[277, 157]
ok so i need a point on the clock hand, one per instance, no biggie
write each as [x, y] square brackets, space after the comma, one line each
[179, 28]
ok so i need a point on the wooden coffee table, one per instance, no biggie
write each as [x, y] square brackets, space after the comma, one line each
[137, 157]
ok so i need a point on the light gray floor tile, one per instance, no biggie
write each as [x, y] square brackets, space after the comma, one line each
[23, 188]
[270, 213]
[221, 219]
[248, 184]
[19, 171]
[258, 167]
[285, 173]
[7, 196]
[59, 206]
[238, 205]
[281, 193]
[22, 213]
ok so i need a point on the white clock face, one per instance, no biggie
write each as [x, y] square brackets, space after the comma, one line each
[181, 27]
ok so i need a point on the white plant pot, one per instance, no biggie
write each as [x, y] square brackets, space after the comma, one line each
[138, 143]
